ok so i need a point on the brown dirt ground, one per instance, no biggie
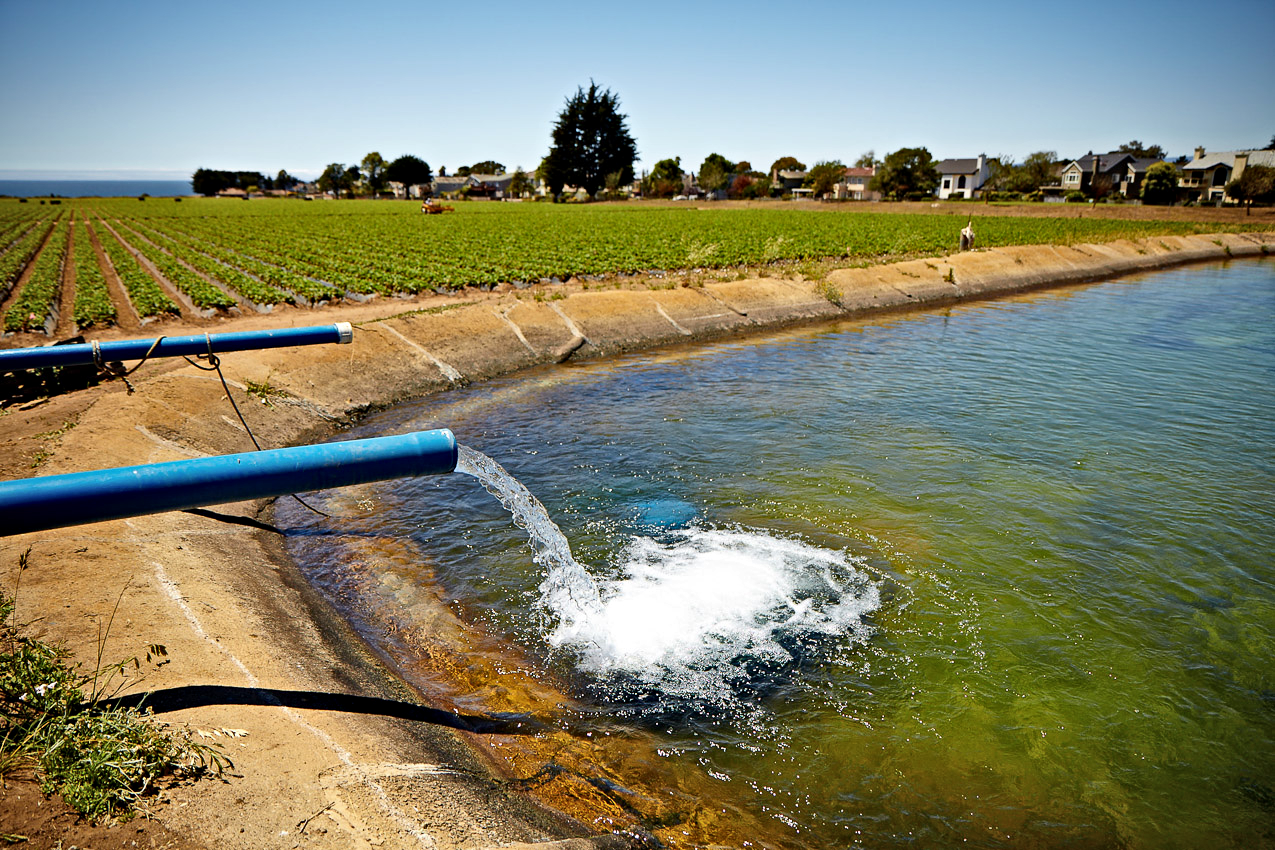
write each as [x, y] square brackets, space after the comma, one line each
[29, 819]
[330, 732]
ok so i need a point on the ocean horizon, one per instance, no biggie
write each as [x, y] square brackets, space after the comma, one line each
[94, 188]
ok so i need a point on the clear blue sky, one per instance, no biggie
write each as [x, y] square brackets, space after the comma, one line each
[157, 89]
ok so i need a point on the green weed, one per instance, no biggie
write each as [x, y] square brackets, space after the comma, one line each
[59, 432]
[424, 311]
[264, 391]
[831, 291]
[103, 759]
[813, 270]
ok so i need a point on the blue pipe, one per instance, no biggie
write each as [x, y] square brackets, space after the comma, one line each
[55, 501]
[82, 354]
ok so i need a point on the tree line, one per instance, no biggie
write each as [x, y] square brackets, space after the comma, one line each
[371, 176]
[592, 149]
[207, 181]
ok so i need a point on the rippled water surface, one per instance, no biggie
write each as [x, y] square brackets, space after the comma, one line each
[998, 576]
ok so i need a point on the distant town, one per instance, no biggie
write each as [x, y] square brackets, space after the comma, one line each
[1132, 174]
[592, 154]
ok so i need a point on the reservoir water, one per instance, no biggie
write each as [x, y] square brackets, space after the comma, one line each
[995, 576]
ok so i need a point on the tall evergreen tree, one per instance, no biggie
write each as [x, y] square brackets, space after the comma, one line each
[590, 141]
[408, 170]
[786, 163]
[715, 171]
[336, 177]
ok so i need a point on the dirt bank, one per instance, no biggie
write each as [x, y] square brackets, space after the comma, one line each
[329, 749]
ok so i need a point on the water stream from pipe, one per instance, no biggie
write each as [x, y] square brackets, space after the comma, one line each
[568, 589]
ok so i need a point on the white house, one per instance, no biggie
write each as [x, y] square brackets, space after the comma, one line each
[962, 178]
[416, 190]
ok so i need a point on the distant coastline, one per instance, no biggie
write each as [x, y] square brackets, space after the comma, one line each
[94, 188]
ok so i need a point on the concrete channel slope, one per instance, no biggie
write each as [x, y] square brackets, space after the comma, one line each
[330, 749]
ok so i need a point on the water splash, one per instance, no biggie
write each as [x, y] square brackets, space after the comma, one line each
[712, 614]
[695, 614]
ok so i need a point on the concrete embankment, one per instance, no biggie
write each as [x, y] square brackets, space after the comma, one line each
[329, 749]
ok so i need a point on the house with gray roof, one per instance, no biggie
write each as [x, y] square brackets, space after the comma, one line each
[962, 178]
[448, 186]
[1100, 175]
[785, 181]
[1204, 178]
[495, 186]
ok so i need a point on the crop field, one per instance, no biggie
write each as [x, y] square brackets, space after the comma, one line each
[204, 257]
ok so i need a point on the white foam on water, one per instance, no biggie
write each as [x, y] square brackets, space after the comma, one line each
[687, 614]
[683, 614]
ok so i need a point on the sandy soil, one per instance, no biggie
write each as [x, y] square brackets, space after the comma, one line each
[321, 734]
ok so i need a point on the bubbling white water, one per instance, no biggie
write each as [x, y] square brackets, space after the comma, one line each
[694, 613]
[688, 614]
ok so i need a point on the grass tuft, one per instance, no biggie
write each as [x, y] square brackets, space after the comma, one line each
[102, 758]
[264, 391]
[831, 291]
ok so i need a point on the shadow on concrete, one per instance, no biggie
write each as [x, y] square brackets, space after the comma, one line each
[233, 519]
[196, 696]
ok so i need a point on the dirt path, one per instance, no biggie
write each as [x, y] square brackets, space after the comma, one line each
[66, 302]
[329, 735]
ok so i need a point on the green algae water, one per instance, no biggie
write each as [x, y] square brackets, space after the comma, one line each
[996, 576]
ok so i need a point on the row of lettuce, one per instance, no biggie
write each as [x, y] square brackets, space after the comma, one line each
[215, 256]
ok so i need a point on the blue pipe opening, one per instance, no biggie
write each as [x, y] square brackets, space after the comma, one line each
[56, 501]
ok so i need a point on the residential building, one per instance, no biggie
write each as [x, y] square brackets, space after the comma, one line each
[446, 186]
[416, 190]
[1099, 175]
[854, 186]
[494, 186]
[1204, 178]
[962, 178]
[785, 182]
[1136, 170]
